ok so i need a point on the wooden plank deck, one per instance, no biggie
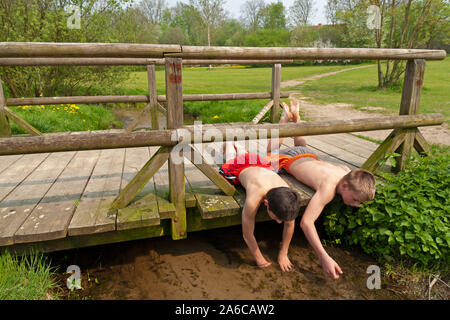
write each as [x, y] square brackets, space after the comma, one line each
[63, 198]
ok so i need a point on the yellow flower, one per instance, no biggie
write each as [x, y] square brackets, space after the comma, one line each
[216, 117]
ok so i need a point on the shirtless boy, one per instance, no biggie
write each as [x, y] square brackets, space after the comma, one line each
[262, 185]
[327, 179]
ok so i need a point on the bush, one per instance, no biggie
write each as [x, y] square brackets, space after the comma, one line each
[409, 217]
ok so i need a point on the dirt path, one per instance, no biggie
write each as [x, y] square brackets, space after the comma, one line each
[338, 111]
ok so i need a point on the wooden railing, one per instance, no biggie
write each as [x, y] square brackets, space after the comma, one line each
[403, 138]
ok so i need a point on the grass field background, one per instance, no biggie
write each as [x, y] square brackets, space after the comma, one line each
[357, 87]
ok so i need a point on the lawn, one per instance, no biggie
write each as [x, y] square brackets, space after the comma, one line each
[225, 80]
[359, 87]
[64, 117]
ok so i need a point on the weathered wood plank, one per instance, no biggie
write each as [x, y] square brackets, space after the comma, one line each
[51, 218]
[18, 171]
[409, 105]
[420, 144]
[276, 83]
[161, 178]
[211, 202]
[5, 128]
[19, 204]
[343, 141]
[92, 214]
[136, 184]
[7, 161]
[377, 159]
[321, 144]
[174, 93]
[196, 156]
[263, 111]
[22, 123]
[140, 212]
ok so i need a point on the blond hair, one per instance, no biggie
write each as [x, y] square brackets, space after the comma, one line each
[361, 182]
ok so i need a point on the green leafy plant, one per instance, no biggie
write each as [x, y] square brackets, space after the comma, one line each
[408, 219]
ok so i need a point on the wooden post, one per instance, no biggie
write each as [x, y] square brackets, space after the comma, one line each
[5, 129]
[153, 98]
[276, 83]
[174, 93]
[411, 93]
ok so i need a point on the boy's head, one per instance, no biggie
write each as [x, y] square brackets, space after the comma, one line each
[283, 204]
[356, 187]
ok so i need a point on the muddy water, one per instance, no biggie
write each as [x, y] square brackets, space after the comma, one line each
[216, 264]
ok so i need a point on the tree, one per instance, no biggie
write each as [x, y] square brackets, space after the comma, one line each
[252, 14]
[274, 16]
[401, 24]
[153, 9]
[46, 21]
[187, 18]
[211, 11]
[301, 12]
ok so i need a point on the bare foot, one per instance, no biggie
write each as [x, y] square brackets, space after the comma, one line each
[294, 108]
[286, 115]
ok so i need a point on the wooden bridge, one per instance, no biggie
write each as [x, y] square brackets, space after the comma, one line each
[69, 190]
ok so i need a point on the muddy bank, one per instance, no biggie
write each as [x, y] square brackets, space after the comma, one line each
[216, 264]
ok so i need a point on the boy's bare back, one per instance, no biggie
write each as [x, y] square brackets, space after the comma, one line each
[317, 174]
[258, 181]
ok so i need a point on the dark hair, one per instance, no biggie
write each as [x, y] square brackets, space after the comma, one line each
[284, 202]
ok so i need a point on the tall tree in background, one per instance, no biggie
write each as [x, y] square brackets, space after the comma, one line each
[182, 24]
[211, 11]
[153, 9]
[401, 24]
[47, 21]
[252, 14]
[274, 16]
[301, 12]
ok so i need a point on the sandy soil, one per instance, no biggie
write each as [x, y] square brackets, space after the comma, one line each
[216, 264]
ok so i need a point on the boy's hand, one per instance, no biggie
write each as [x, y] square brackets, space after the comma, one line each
[331, 268]
[285, 263]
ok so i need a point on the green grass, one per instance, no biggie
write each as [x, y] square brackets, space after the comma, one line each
[359, 87]
[61, 118]
[225, 80]
[27, 278]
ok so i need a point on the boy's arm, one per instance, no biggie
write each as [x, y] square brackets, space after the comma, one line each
[288, 232]
[248, 227]
[312, 212]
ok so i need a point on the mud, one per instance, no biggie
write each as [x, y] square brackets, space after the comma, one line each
[216, 264]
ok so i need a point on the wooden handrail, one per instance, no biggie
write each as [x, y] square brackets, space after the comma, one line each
[77, 61]
[121, 139]
[135, 99]
[51, 49]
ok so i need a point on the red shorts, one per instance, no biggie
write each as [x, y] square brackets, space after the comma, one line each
[231, 169]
